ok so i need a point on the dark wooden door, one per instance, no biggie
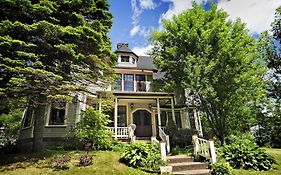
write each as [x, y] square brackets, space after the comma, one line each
[142, 120]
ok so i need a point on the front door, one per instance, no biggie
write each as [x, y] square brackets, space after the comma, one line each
[142, 120]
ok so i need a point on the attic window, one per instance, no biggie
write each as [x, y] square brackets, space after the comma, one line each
[125, 59]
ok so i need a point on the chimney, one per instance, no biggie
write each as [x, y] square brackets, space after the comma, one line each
[124, 45]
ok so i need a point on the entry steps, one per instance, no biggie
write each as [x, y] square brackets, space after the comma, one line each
[185, 165]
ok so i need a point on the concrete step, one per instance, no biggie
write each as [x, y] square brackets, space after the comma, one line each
[193, 172]
[184, 166]
[179, 159]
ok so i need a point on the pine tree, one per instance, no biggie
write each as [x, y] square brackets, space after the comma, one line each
[51, 48]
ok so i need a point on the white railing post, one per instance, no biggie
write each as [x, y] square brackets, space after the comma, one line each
[163, 150]
[168, 143]
[195, 144]
[212, 150]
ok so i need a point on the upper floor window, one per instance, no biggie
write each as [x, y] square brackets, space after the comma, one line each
[125, 58]
[57, 114]
[118, 82]
[128, 82]
[140, 82]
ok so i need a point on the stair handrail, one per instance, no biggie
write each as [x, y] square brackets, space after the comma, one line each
[204, 148]
[164, 137]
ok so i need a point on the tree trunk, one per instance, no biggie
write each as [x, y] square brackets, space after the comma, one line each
[39, 116]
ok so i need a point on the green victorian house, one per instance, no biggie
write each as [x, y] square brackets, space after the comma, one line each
[139, 112]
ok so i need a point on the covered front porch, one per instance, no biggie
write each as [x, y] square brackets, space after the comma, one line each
[150, 113]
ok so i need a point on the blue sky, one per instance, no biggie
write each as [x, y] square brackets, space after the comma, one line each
[133, 20]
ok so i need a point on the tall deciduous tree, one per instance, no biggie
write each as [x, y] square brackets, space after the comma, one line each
[50, 48]
[272, 121]
[217, 59]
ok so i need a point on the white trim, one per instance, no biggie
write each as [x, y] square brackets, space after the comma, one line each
[138, 109]
[65, 116]
[24, 118]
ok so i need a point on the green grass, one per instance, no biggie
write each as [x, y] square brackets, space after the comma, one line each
[104, 162]
[276, 153]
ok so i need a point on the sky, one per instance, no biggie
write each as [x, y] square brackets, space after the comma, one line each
[134, 20]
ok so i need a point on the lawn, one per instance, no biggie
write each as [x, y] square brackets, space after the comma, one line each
[105, 162]
[276, 153]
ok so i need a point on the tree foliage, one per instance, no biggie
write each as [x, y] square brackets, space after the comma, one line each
[271, 120]
[10, 124]
[92, 127]
[50, 48]
[217, 59]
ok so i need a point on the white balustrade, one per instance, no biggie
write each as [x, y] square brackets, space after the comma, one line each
[122, 132]
[164, 138]
[204, 148]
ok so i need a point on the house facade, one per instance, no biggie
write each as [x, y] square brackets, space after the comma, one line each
[135, 102]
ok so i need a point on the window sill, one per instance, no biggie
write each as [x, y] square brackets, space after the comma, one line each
[55, 126]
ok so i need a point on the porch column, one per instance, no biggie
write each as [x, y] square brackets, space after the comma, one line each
[173, 110]
[158, 112]
[153, 123]
[196, 120]
[99, 103]
[115, 117]
[200, 133]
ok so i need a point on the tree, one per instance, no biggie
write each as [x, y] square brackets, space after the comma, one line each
[51, 48]
[272, 121]
[92, 128]
[217, 59]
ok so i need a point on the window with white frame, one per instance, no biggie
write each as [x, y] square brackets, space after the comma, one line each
[27, 117]
[118, 82]
[128, 82]
[125, 59]
[140, 83]
[57, 114]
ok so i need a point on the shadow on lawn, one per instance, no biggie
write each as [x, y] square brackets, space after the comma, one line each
[23, 160]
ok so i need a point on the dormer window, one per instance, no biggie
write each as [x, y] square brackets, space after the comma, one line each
[125, 59]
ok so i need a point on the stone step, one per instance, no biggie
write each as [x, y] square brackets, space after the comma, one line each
[179, 159]
[184, 166]
[193, 172]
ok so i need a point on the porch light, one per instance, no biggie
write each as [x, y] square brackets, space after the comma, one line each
[150, 105]
[132, 105]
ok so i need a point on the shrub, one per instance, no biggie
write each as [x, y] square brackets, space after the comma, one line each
[61, 163]
[118, 146]
[11, 124]
[178, 137]
[92, 128]
[144, 156]
[221, 168]
[187, 150]
[244, 153]
[85, 160]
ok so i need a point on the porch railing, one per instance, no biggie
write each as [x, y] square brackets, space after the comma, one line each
[122, 132]
[166, 145]
[204, 148]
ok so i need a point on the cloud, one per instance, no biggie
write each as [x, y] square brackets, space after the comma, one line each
[178, 6]
[141, 30]
[134, 30]
[138, 6]
[257, 14]
[148, 4]
[142, 51]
